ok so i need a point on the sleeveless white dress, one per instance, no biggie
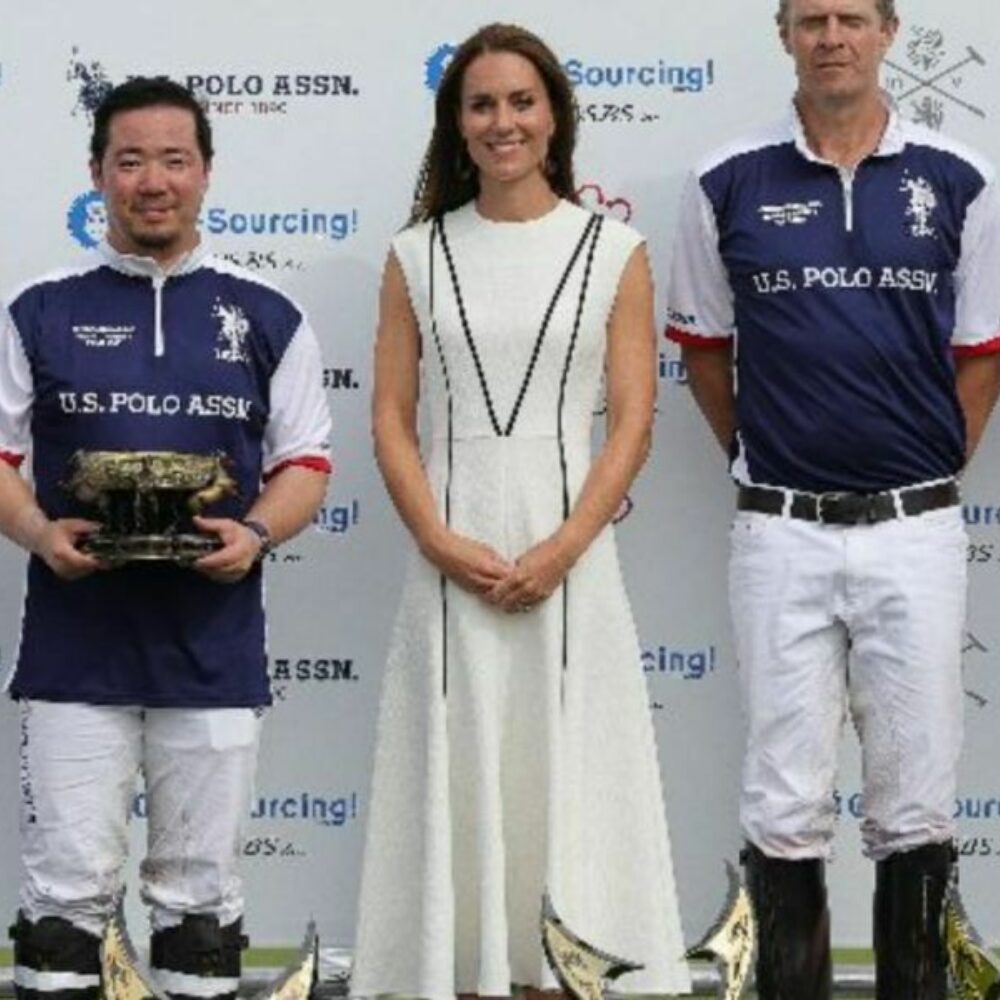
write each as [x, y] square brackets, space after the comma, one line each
[514, 753]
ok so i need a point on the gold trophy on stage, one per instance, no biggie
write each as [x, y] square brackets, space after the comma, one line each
[145, 501]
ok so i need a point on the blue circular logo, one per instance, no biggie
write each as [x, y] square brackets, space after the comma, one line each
[436, 63]
[87, 219]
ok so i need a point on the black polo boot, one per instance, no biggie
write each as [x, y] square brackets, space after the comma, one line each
[198, 959]
[793, 926]
[911, 961]
[55, 960]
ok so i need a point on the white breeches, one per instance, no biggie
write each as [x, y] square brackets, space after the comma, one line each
[867, 618]
[78, 780]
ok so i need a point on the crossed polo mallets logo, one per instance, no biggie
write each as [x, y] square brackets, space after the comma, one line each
[921, 83]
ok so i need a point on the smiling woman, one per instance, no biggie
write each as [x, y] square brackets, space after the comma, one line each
[512, 700]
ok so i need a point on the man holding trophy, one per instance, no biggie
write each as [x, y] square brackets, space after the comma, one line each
[171, 407]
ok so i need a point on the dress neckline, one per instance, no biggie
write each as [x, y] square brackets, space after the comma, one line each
[500, 224]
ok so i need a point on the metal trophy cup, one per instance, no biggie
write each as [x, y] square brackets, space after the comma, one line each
[583, 971]
[145, 501]
[731, 940]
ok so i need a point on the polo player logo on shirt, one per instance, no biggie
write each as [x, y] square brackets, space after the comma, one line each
[795, 213]
[923, 201]
[233, 329]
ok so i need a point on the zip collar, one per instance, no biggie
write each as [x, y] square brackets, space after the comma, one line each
[146, 267]
[892, 142]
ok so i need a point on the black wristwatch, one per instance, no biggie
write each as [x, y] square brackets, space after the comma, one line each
[260, 530]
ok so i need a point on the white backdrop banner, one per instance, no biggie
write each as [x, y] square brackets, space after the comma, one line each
[321, 110]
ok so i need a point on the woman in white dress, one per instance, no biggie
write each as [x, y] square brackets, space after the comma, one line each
[515, 751]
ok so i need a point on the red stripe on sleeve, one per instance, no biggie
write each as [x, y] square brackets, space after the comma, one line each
[682, 337]
[974, 350]
[315, 462]
[12, 458]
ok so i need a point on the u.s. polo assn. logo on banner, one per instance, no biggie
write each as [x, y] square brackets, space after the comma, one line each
[220, 91]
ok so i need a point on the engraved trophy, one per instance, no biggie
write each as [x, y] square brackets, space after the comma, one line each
[145, 501]
[731, 941]
[584, 972]
[125, 976]
[975, 973]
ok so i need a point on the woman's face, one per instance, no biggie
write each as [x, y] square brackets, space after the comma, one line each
[505, 117]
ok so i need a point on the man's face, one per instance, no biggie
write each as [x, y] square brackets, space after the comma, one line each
[838, 47]
[153, 178]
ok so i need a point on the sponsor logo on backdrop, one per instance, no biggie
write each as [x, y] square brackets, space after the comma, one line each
[968, 809]
[338, 519]
[593, 196]
[308, 671]
[263, 260]
[929, 80]
[979, 515]
[87, 222]
[221, 221]
[91, 82]
[436, 63]
[304, 807]
[688, 664]
[624, 509]
[222, 92]
[975, 657]
[671, 370]
[337, 379]
[967, 806]
[593, 78]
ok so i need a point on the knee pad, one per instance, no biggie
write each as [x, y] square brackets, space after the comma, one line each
[199, 957]
[52, 957]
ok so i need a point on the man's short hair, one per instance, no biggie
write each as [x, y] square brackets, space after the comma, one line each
[887, 9]
[148, 92]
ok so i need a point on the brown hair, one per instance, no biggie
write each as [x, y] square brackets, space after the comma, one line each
[887, 8]
[447, 176]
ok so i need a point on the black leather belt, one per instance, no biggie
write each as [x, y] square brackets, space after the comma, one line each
[848, 508]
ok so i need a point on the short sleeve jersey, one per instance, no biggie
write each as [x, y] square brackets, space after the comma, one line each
[847, 293]
[117, 356]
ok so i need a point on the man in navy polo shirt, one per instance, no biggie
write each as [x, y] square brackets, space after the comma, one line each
[150, 345]
[836, 292]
